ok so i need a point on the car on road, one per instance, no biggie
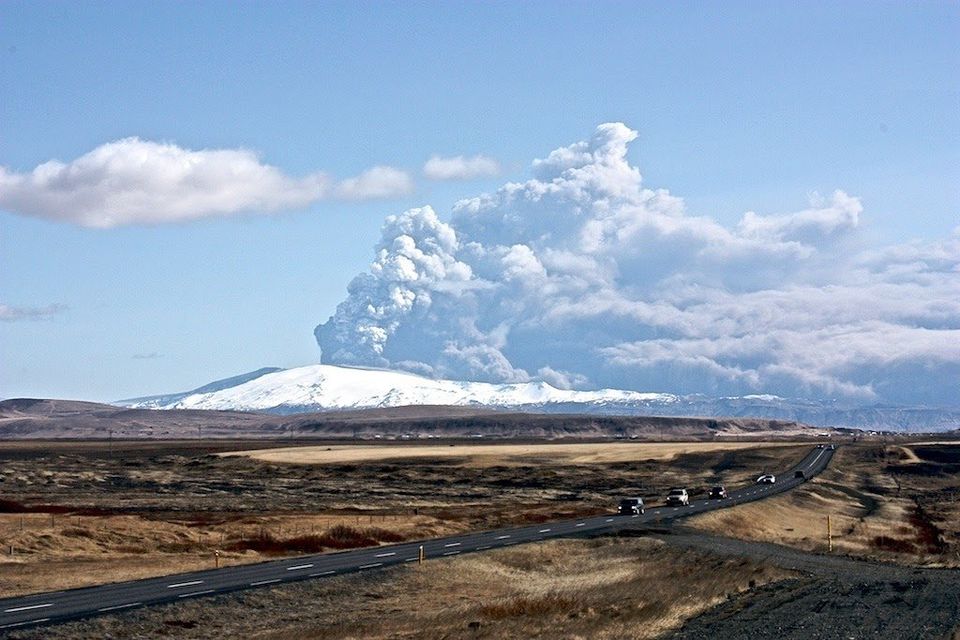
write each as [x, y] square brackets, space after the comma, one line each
[678, 497]
[630, 506]
[718, 492]
[799, 474]
[767, 478]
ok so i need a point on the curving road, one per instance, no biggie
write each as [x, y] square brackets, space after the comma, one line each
[60, 606]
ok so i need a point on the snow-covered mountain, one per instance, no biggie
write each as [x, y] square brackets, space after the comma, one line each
[335, 388]
[325, 387]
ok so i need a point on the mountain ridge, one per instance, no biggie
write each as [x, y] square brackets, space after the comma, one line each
[331, 388]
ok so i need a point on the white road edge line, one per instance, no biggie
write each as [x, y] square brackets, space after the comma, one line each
[322, 573]
[27, 608]
[195, 593]
[120, 606]
[260, 582]
[370, 566]
[299, 566]
[482, 548]
[20, 624]
[450, 553]
[184, 584]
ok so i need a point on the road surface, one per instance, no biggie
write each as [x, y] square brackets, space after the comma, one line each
[72, 604]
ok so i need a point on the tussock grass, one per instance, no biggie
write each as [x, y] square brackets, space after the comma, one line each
[337, 537]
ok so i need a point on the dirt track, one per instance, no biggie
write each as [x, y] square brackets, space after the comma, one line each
[836, 598]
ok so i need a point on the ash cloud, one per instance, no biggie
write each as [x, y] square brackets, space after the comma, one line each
[582, 276]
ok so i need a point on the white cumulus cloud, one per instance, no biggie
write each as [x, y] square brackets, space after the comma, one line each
[460, 167]
[133, 181]
[376, 183]
[582, 276]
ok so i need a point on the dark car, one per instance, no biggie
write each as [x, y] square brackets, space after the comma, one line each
[630, 506]
[718, 493]
[799, 474]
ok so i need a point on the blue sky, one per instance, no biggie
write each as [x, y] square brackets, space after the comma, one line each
[739, 106]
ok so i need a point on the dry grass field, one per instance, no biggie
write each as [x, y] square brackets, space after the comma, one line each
[604, 588]
[93, 514]
[66, 551]
[891, 502]
[491, 455]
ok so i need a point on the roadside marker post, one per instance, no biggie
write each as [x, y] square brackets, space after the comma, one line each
[216, 559]
[829, 536]
[421, 557]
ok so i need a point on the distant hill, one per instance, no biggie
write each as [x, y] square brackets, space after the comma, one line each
[34, 418]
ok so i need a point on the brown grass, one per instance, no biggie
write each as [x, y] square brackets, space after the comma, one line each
[487, 455]
[608, 588]
[74, 551]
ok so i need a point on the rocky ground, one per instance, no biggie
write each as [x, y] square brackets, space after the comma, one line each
[832, 597]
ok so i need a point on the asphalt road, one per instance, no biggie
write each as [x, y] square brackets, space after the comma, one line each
[60, 606]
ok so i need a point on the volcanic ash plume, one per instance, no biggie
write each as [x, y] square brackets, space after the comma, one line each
[583, 277]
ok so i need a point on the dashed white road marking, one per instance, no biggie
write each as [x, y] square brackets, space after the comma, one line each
[482, 548]
[260, 582]
[544, 531]
[450, 553]
[322, 573]
[502, 537]
[370, 566]
[385, 555]
[452, 544]
[184, 584]
[580, 524]
[27, 608]
[299, 566]
[197, 593]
